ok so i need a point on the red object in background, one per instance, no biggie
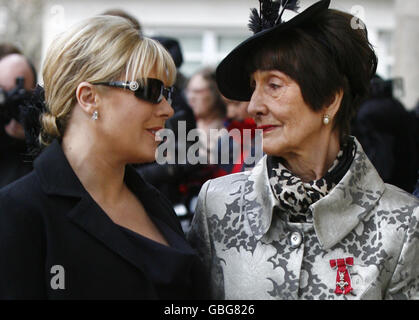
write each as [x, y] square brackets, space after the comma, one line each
[183, 188]
[248, 123]
[343, 280]
[222, 170]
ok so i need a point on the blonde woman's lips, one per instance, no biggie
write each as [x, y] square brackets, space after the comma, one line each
[154, 132]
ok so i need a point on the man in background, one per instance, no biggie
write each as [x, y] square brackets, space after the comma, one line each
[388, 135]
[17, 77]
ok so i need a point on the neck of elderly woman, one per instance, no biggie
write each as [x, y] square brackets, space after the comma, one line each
[312, 160]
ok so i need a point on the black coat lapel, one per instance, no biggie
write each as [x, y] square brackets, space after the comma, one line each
[58, 178]
[154, 203]
[91, 218]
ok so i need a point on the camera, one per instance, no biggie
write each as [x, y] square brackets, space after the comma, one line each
[12, 100]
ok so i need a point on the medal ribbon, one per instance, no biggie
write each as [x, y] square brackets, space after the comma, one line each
[343, 280]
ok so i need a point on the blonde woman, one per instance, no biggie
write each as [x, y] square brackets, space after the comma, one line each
[83, 224]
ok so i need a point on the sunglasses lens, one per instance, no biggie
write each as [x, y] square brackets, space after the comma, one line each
[154, 92]
[168, 95]
[154, 89]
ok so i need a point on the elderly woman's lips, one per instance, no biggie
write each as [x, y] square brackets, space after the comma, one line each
[267, 128]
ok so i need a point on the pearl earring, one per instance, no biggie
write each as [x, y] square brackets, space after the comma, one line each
[95, 115]
[326, 119]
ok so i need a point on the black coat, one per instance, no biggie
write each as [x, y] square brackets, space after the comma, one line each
[48, 219]
[387, 132]
[14, 161]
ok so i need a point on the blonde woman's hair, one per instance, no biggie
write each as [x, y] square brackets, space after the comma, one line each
[101, 48]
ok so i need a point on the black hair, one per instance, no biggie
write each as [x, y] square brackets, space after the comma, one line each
[324, 56]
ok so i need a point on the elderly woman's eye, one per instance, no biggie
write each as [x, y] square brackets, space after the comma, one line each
[274, 86]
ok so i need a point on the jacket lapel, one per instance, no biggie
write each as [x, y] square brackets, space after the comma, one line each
[58, 178]
[91, 218]
[349, 202]
[152, 200]
[258, 200]
[55, 173]
[334, 216]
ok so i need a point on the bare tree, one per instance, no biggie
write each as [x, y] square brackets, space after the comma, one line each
[21, 25]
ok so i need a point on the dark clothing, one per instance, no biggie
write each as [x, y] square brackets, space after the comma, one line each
[48, 219]
[387, 132]
[415, 113]
[416, 191]
[14, 162]
[167, 266]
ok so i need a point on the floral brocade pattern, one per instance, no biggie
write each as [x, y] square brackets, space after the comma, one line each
[245, 241]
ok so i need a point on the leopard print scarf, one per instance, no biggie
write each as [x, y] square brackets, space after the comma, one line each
[294, 195]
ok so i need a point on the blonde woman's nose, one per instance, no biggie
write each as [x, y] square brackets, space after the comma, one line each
[164, 109]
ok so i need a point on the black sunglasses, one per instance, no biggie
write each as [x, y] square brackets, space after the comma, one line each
[153, 91]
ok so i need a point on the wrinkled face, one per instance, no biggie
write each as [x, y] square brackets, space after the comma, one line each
[129, 124]
[289, 124]
[199, 97]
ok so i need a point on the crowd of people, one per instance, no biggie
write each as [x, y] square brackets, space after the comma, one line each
[81, 190]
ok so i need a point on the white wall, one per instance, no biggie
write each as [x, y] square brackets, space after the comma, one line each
[210, 19]
[407, 49]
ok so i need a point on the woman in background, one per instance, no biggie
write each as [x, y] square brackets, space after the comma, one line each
[209, 109]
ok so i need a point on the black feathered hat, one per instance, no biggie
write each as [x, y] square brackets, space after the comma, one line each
[232, 78]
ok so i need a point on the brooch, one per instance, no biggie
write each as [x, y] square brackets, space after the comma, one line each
[343, 280]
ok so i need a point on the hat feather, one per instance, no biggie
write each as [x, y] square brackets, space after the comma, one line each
[255, 22]
[270, 13]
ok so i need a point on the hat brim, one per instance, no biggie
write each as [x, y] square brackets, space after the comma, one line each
[232, 78]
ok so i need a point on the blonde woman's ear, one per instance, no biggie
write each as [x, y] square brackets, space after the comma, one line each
[86, 95]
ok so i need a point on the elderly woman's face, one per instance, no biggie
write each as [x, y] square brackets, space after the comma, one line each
[129, 124]
[289, 124]
[199, 96]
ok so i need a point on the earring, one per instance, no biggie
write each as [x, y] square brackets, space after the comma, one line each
[326, 119]
[95, 115]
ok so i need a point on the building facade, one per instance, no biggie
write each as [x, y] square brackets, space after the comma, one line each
[209, 29]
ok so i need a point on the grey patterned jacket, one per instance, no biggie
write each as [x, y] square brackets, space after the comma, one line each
[252, 251]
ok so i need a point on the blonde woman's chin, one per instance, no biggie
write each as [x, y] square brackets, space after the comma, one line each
[146, 156]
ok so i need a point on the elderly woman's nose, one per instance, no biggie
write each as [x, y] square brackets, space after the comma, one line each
[256, 105]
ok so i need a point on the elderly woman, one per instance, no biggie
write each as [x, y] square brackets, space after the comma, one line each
[83, 224]
[313, 219]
